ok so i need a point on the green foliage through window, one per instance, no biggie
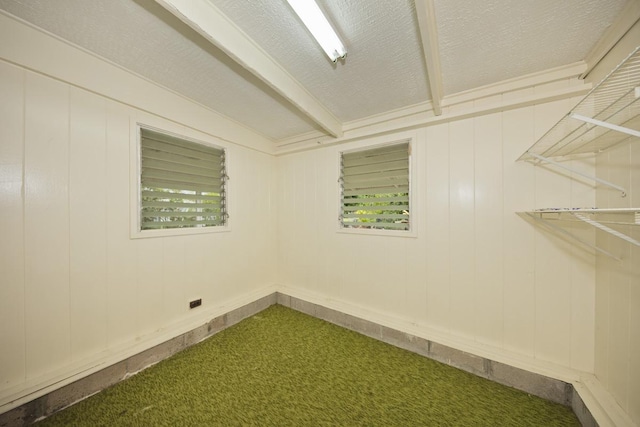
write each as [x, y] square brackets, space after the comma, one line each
[375, 188]
[182, 184]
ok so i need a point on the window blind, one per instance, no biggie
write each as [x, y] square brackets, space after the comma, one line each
[375, 188]
[182, 183]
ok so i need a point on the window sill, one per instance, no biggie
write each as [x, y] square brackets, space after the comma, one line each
[373, 232]
[137, 234]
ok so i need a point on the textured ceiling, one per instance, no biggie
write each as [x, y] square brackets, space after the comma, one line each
[143, 37]
[480, 42]
[384, 68]
[483, 42]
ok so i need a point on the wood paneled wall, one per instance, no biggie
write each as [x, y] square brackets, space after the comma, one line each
[76, 291]
[477, 275]
[617, 310]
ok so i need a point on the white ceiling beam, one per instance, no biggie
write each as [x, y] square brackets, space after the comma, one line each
[629, 15]
[429, 35]
[216, 27]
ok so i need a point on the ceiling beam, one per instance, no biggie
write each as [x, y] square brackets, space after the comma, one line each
[217, 28]
[429, 35]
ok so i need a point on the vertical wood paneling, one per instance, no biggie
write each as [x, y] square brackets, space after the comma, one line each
[603, 268]
[386, 274]
[634, 340]
[122, 256]
[619, 285]
[75, 287]
[617, 294]
[46, 225]
[326, 187]
[301, 197]
[309, 214]
[552, 259]
[476, 270]
[88, 223]
[488, 197]
[174, 303]
[634, 291]
[582, 275]
[416, 263]
[438, 251]
[12, 298]
[462, 227]
[518, 193]
[285, 217]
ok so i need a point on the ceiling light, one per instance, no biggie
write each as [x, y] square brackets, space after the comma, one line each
[319, 27]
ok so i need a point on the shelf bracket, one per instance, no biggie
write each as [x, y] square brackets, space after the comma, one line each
[600, 123]
[604, 228]
[566, 233]
[596, 179]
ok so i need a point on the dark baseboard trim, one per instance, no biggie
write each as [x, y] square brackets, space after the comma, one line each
[535, 384]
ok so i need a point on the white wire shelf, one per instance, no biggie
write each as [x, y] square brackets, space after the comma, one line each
[607, 220]
[607, 116]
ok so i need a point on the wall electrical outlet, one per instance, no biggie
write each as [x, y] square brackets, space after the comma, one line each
[195, 303]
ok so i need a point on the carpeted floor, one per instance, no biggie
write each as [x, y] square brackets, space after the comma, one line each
[284, 368]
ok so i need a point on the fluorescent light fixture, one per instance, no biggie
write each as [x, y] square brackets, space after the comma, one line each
[319, 27]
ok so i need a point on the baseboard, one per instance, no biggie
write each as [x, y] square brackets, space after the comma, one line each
[588, 399]
[586, 396]
[60, 389]
[601, 404]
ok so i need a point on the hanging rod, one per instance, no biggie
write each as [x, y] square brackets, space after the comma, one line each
[574, 237]
[607, 125]
[600, 180]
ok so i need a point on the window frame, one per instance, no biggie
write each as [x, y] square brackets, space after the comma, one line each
[136, 188]
[412, 232]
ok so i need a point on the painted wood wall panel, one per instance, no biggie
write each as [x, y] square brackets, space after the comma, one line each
[617, 294]
[519, 236]
[82, 292]
[437, 212]
[489, 237]
[476, 272]
[416, 264]
[12, 318]
[617, 299]
[552, 251]
[462, 228]
[122, 253]
[87, 223]
[46, 216]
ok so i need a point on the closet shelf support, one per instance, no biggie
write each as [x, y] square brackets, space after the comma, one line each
[566, 233]
[606, 229]
[594, 178]
[607, 125]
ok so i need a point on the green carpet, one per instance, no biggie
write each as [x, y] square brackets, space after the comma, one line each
[284, 368]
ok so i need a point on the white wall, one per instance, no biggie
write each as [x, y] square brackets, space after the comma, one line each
[76, 292]
[478, 276]
[617, 315]
[617, 357]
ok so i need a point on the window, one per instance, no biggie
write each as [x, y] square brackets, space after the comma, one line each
[182, 183]
[375, 188]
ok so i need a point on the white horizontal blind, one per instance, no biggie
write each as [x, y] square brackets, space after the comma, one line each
[182, 183]
[375, 188]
